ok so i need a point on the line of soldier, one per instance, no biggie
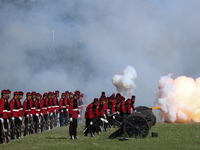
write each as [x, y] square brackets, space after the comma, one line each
[38, 112]
[106, 112]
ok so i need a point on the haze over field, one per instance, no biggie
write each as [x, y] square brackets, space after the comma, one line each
[95, 40]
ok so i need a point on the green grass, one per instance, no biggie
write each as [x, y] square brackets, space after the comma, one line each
[170, 136]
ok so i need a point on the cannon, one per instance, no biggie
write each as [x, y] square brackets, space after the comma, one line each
[137, 124]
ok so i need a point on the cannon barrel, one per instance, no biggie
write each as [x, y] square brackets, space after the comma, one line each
[137, 124]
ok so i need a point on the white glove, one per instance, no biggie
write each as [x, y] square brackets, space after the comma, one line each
[66, 109]
[91, 123]
[37, 114]
[61, 110]
[51, 114]
[113, 117]
[27, 115]
[8, 121]
[117, 112]
[70, 119]
[13, 118]
[20, 118]
[1, 120]
[31, 115]
[79, 116]
[106, 121]
[54, 111]
[102, 119]
[41, 114]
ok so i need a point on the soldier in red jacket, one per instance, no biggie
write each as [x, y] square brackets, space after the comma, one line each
[128, 107]
[27, 111]
[20, 97]
[91, 109]
[62, 107]
[133, 102]
[43, 107]
[14, 106]
[2, 102]
[6, 112]
[74, 114]
[103, 114]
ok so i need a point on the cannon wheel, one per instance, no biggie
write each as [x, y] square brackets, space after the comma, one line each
[135, 125]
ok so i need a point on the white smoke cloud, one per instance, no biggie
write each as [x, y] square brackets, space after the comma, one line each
[124, 83]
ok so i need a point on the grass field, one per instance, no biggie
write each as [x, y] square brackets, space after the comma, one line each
[170, 136]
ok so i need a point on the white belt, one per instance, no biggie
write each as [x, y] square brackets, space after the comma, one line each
[37, 109]
[67, 105]
[16, 110]
[75, 109]
[5, 111]
[49, 107]
[33, 107]
[44, 108]
[64, 106]
[56, 106]
[21, 109]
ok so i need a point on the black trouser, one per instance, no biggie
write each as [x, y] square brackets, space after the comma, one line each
[36, 121]
[44, 119]
[88, 127]
[1, 132]
[61, 119]
[96, 125]
[26, 123]
[14, 124]
[73, 127]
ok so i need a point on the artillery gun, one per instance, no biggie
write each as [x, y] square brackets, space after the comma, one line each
[137, 124]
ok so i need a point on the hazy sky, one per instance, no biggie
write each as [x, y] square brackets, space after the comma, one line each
[156, 37]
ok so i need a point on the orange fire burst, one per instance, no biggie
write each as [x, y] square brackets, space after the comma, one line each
[179, 99]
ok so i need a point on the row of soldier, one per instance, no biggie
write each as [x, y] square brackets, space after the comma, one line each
[38, 112]
[106, 112]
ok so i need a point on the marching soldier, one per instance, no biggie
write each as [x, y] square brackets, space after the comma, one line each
[43, 107]
[6, 110]
[74, 114]
[14, 106]
[20, 110]
[2, 101]
[27, 112]
[33, 104]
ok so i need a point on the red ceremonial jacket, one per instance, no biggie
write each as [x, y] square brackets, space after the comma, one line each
[14, 106]
[73, 109]
[44, 105]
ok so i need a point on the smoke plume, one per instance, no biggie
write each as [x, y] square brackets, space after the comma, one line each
[124, 83]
